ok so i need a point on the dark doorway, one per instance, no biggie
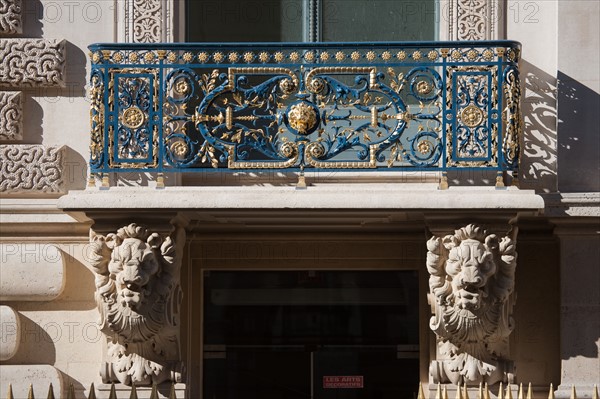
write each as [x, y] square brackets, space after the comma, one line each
[310, 334]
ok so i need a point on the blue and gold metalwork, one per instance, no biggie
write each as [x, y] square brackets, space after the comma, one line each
[396, 106]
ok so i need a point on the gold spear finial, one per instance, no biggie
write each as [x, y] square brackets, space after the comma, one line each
[508, 392]
[154, 393]
[529, 392]
[551, 393]
[445, 393]
[92, 394]
[71, 393]
[480, 391]
[113, 393]
[438, 392]
[133, 394]
[30, 393]
[465, 392]
[486, 391]
[573, 393]
[595, 393]
[458, 392]
[520, 394]
[172, 393]
[501, 391]
[50, 392]
[420, 394]
[9, 394]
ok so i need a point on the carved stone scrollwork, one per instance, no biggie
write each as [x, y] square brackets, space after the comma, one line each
[10, 17]
[32, 63]
[11, 115]
[138, 295]
[471, 283]
[32, 169]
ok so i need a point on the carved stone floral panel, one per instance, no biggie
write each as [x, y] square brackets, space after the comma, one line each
[471, 283]
[32, 169]
[11, 115]
[32, 63]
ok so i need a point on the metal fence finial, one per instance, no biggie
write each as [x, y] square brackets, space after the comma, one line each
[30, 393]
[573, 393]
[438, 392]
[113, 393]
[480, 391]
[71, 393]
[154, 393]
[445, 393]
[92, 394]
[172, 394]
[551, 393]
[465, 392]
[508, 392]
[529, 392]
[133, 394]
[595, 393]
[486, 391]
[520, 393]
[501, 391]
[420, 394]
[458, 392]
[50, 392]
[9, 394]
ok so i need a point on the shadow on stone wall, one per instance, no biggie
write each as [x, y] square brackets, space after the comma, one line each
[538, 156]
[578, 139]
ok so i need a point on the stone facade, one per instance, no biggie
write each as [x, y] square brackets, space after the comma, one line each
[59, 322]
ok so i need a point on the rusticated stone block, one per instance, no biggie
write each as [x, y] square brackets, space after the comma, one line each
[11, 115]
[32, 63]
[11, 332]
[10, 17]
[32, 169]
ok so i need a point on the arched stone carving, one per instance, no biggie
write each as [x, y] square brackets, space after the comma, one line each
[471, 284]
[138, 295]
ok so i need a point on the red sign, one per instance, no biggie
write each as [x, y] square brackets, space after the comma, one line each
[343, 381]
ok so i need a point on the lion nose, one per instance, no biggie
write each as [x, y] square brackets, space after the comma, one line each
[471, 277]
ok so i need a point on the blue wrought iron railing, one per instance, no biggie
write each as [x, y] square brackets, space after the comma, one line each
[177, 107]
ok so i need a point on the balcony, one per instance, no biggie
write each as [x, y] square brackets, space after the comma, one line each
[439, 106]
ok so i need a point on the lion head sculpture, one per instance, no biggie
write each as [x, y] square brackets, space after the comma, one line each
[471, 284]
[138, 295]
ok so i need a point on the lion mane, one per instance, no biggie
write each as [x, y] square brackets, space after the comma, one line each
[471, 295]
[138, 296]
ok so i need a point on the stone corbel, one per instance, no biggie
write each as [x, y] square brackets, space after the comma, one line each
[137, 276]
[471, 293]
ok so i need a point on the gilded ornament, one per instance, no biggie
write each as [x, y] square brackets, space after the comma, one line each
[278, 56]
[96, 57]
[180, 149]
[289, 150]
[324, 56]
[149, 56]
[171, 57]
[488, 55]
[248, 57]
[433, 55]
[456, 55]
[317, 85]
[202, 57]
[471, 116]
[424, 147]
[339, 56]
[386, 56]
[294, 56]
[316, 150]
[371, 55]
[133, 57]
[472, 55]
[182, 87]
[417, 55]
[302, 117]
[263, 56]
[218, 57]
[309, 56]
[424, 87]
[401, 55]
[117, 57]
[133, 117]
[355, 56]
[287, 86]
[233, 57]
